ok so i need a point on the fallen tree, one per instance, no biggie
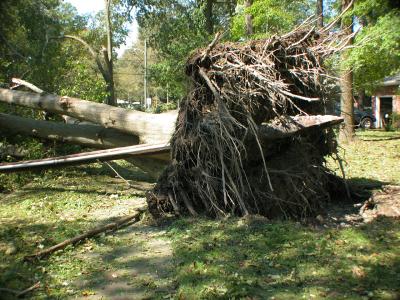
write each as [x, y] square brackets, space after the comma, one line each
[222, 160]
[151, 157]
[249, 138]
[149, 128]
[89, 135]
[156, 152]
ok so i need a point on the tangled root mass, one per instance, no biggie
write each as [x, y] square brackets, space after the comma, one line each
[233, 151]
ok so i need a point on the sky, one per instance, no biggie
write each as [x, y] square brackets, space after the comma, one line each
[93, 6]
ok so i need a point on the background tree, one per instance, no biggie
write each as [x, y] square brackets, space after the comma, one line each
[377, 51]
[269, 17]
[320, 13]
[175, 28]
[346, 133]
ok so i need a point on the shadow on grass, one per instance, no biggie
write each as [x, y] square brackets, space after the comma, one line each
[261, 259]
[111, 266]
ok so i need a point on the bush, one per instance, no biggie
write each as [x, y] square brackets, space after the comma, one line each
[394, 122]
[162, 107]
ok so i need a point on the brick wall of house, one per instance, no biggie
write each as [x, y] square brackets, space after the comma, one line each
[396, 104]
[393, 91]
[386, 91]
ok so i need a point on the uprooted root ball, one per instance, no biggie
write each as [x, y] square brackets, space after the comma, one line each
[222, 162]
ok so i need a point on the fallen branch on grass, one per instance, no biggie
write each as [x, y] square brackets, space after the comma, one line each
[91, 233]
[20, 294]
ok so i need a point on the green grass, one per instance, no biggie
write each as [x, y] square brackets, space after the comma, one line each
[261, 259]
[374, 156]
[55, 206]
[258, 259]
[234, 258]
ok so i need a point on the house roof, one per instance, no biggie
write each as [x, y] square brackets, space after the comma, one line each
[392, 80]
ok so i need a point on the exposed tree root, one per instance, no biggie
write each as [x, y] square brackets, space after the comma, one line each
[221, 162]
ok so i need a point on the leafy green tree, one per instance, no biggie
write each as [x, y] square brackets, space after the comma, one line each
[175, 28]
[377, 51]
[269, 17]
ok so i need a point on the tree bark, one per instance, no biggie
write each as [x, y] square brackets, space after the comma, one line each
[109, 56]
[149, 128]
[88, 135]
[248, 18]
[159, 151]
[320, 13]
[208, 15]
[347, 132]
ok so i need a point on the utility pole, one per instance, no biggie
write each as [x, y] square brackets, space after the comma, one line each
[167, 92]
[145, 74]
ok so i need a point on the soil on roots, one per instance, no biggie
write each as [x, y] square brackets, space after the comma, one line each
[221, 162]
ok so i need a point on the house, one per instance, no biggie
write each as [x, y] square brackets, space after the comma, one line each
[386, 99]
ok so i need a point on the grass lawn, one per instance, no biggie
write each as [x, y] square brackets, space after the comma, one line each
[234, 258]
[261, 259]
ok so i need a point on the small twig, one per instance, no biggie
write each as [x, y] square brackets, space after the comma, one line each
[20, 294]
[116, 173]
[112, 226]
[343, 175]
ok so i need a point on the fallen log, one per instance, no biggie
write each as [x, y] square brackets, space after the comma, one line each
[151, 158]
[156, 151]
[149, 128]
[100, 229]
[89, 135]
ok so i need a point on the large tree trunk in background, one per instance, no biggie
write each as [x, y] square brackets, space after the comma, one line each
[93, 136]
[208, 15]
[320, 13]
[150, 128]
[111, 99]
[249, 18]
[346, 133]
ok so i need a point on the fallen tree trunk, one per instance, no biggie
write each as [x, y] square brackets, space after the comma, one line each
[151, 158]
[159, 152]
[88, 135]
[149, 128]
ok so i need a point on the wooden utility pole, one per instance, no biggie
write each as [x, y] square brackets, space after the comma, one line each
[347, 132]
[145, 75]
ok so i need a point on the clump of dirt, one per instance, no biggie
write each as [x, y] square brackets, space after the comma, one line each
[382, 203]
